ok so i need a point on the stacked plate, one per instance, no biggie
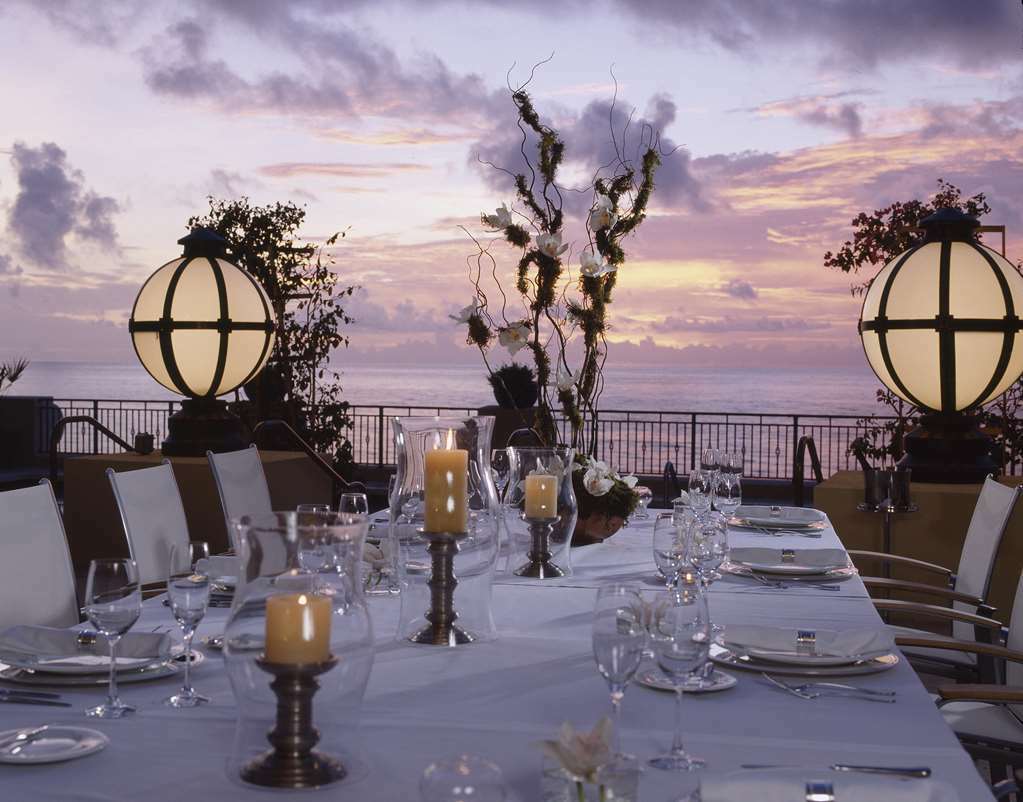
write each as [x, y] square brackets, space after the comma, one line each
[785, 650]
[795, 564]
[796, 518]
[47, 656]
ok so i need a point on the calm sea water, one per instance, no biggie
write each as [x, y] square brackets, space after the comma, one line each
[791, 390]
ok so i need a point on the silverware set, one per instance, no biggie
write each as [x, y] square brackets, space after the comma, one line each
[15, 697]
[777, 584]
[814, 690]
[920, 772]
[763, 530]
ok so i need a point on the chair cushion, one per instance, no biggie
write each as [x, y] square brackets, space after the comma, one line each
[982, 721]
[964, 659]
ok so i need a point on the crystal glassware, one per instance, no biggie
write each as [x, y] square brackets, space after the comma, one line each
[619, 637]
[727, 493]
[113, 603]
[709, 459]
[312, 509]
[644, 495]
[556, 462]
[669, 548]
[188, 591]
[353, 504]
[701, 490]
[501, 466]
[462, 778]
[707, 549]
[681, 647]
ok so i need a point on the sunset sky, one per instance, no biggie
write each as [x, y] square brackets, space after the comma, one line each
[119, 118]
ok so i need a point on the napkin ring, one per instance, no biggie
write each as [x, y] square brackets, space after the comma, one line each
[788, 555]
[806, 641]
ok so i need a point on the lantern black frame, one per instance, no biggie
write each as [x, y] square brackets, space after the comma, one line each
[948, 446]
[203, 423]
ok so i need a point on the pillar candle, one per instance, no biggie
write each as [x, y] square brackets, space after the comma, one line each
[446, 490]
[298, 628]
[541, 496]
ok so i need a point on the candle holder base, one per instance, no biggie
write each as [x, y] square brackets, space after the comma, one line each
[441, 629]
[540, 565]
[293, 763]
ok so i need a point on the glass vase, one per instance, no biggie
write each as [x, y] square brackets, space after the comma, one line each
[618, 781]
[557, 462]
[471, 555]
[299, 621]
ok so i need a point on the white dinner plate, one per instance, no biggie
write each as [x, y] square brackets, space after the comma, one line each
[831, 575]
[653, 677]
[778, 517]
[872, 665]
[156, 670]
[83, 664]
[808, 660]
[55, 745]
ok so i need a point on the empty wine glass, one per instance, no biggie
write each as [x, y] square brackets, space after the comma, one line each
[708, 548]
[188, 591]
[644, 495]
[501, 468]
[619, 637]
[701, 490]
[710, 459]
[354, 503]
[113, 603]
[681, 646]
[460, 778]
[669, 548]
[735, 462]
[727, 493]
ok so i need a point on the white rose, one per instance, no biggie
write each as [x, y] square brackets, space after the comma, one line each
[500, 219]
[596, 483]
[550, 245]
[466, 312]
[514, 337]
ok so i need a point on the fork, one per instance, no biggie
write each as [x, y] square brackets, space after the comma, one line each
[840, 686]
[805, 694]
[774, 583]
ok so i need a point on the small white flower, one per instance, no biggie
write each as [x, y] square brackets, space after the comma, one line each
[597, 483]
[550, 245]
[594, 266]
[500, 219]
[514, 337]
[466, 312]
[602, 214]
[630, 481]
[581, 754]
[683, 496]
[565, 379]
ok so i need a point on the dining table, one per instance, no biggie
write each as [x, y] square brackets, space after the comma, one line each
[499, 698]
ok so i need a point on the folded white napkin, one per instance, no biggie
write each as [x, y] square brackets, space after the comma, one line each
[814, 558]
[220, 567]
[777, 785]
[828, 643]
[52, 647]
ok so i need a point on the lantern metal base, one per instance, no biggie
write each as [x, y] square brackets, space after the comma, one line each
[540, 565]
[949, 448]
[442, 630]
[201, 425]
[293, 763]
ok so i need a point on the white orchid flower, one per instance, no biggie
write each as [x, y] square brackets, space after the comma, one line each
[500, 219]
[602, 214]
[581, 754]
[564, 378]
[550, 245]
[597, 483]
[514, 337]
[593, 266]
[630, 481]
[466, 312]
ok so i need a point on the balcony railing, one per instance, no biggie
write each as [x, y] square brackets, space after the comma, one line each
[633, 441]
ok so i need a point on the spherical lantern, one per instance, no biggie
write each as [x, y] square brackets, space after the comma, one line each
[941, 329]
[202, 327]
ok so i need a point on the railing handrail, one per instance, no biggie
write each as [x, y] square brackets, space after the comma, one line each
[58, 433]
[276, 424]
[799, 465]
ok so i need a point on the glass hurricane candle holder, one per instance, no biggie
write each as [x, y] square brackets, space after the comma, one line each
[444, 528]
[298, 648]
[537, 543]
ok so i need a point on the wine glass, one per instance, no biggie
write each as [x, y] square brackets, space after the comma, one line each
[710, 459]
[455, 779]
[681, 646]
[312, 509]
[669, 548]
[354, 503]
[113, 603]
[500, 465]
[708, 548]
[188, 591]
[701, 490]
[735, 461]
[644, 495]
[619, 637]
[727, 493]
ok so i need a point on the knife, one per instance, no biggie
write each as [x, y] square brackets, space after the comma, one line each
[30, 694]
[23, 700]
[896, 771]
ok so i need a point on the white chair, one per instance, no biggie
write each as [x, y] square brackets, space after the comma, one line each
[153, 517]
[965, 590]
[37, 581]
[241, 484]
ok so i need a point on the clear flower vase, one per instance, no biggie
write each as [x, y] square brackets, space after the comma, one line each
[615, 782]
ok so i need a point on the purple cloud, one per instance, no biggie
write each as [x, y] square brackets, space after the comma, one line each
[741, 289]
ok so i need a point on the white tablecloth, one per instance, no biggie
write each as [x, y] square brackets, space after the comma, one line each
[497, 699]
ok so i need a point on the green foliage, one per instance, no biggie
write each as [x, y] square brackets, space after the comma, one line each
[514, 386]
[10, 372]
[619, 502]
[307, 298]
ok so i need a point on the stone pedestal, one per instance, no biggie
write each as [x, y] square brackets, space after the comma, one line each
[94, 526]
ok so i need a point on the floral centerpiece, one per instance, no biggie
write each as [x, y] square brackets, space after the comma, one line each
[584, 767]
[605, 499]
[560, 318]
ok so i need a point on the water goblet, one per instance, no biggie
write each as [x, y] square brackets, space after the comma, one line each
[701, 490]
[113, 603]
[353, 503]
[500, 465]
[188, 591]
[681, 647]
[727, 493]
[709, 459]
[462, 777]
[619, 637]
[644, 495]
[669, 548]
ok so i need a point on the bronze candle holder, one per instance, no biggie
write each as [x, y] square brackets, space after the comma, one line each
[442, 629]
[293, 763]
[540, 565]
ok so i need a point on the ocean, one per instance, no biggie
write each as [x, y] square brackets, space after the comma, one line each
[803, 391]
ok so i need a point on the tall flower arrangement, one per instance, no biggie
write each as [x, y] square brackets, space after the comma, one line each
[558, 305]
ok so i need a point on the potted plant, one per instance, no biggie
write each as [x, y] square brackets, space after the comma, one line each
[516, 392]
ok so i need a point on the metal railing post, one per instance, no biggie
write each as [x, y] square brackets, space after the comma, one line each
[95, 432]
[380, 436]
[795, 444]
[692, 441]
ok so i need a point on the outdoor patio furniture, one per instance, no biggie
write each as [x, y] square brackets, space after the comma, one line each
[241, 483]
